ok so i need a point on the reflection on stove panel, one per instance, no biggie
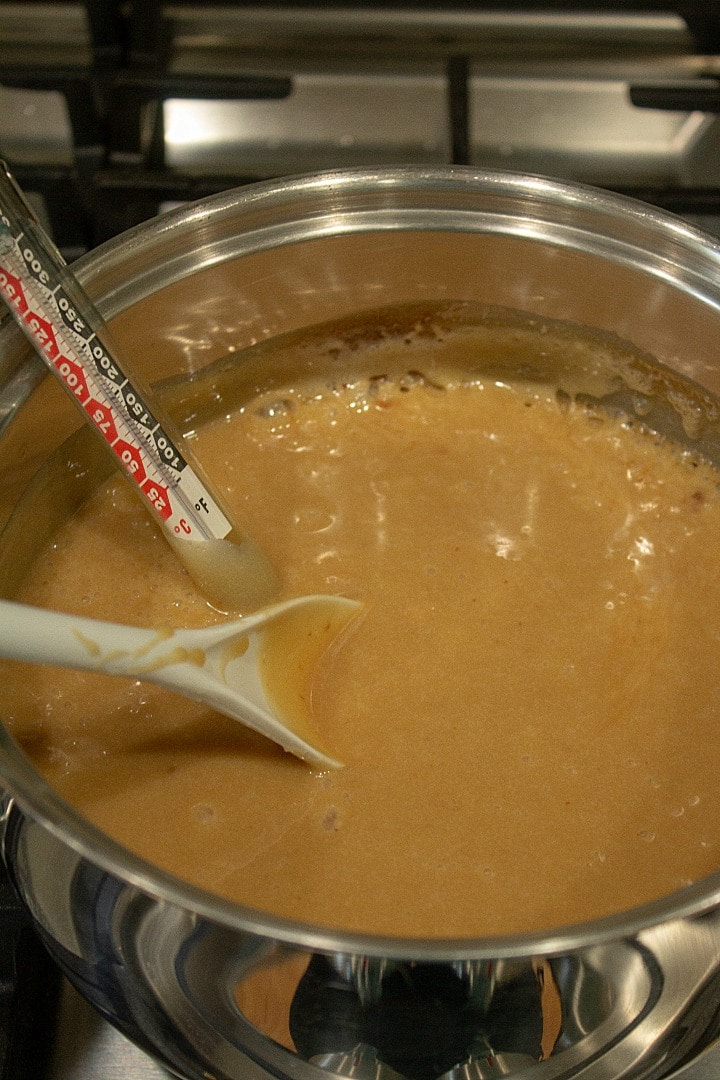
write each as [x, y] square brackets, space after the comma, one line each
[87, 1048]
[585, 129]
[327, 121]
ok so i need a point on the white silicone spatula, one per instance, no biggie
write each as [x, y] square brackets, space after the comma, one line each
[255, 669]
[67, 331]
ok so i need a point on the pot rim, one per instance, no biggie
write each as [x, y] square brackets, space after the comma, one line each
[617, 227]
[691, 262]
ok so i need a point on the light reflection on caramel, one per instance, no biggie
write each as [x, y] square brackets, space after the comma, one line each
[551, 1008]
[264, 997]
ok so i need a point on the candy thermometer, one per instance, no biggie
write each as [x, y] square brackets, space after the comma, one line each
[67, 331]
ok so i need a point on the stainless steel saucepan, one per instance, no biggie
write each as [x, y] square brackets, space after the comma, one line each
[215, 990]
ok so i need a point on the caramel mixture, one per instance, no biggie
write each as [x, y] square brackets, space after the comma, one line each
[527, 709]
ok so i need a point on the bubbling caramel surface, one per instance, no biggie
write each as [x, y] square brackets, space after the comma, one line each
[527, 708]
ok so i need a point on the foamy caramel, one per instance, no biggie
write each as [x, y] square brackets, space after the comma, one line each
[527, 709]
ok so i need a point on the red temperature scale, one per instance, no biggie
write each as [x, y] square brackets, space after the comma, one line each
[66, 330]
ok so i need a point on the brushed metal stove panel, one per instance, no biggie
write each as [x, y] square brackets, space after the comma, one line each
[35, 127]
[88, 1048]
[586, 129]
[329, 120]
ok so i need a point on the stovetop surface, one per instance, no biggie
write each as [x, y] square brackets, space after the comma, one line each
[88, 1048]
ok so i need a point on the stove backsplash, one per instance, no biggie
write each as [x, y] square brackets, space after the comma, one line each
[111, 110]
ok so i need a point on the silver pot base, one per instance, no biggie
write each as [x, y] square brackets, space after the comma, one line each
[211, 1001]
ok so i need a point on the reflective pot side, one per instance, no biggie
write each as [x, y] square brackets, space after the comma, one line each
[209, 999]
[215, 990]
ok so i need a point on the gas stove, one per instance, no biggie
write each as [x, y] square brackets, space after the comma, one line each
[90, 1049]
[113, 110]
[49, 1032]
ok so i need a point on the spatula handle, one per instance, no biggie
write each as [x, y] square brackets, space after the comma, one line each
[49, 637]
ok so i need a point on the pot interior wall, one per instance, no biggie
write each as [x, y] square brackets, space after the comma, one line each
[208, 313]
[233, 304]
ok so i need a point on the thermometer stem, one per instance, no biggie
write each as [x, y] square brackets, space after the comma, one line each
[70, 335]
